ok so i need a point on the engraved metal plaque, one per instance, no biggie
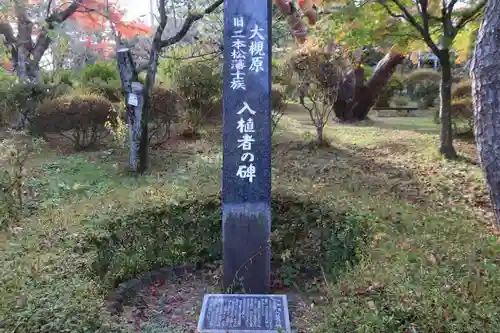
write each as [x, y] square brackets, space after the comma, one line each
[244, 313]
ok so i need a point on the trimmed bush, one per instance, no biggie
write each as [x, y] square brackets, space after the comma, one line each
[463, 115]
[422, 75]
[461, 90]
[400, 100]
[105, 71]
[103, 78]
[395, 84]
[166, 106]
[281, 73]
[423, 86]
[84, 116]
[111, 90]
[199, 83]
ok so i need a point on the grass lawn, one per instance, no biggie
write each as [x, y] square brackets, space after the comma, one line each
[376, 233]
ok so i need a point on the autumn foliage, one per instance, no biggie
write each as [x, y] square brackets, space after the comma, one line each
[94, 15]
[308, 7]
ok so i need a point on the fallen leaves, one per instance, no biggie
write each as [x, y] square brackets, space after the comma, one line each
[404, 245]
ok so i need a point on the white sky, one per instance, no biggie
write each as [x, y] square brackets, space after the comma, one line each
[136, 8]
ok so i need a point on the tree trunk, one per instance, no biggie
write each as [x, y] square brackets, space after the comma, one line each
[446, 129]
[148, 91]
[28, 74]
[356, 98]
[485, 74]
[133, 100]
[319, 134]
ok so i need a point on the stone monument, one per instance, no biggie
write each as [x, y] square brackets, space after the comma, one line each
[246, 179]
[246, 174]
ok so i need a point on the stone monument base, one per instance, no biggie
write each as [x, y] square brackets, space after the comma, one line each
[244, 313]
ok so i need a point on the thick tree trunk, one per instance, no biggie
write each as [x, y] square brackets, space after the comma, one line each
[148, 91]
[356, 97]
[446, 129]
[485, 73]
[29, 75]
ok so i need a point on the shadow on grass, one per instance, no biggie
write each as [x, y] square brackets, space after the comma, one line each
[348, 167]
[424, 125]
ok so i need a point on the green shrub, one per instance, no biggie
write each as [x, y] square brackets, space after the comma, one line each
[305, 232]
[278, 106]
[103, 78]
[166, 107]
[423, 86]
[422, 74]
[395, 84]
[7, 106]
[13, 158]
[28, 96]
[400, 100]
[463, 115]
[61, 76]
[368, 72]
[199, 83]
[166, 70]
[280, 73]
[83, 115]
[111, 90]
[16, 96]
[462, 89]
[48, 295]
[104, 71]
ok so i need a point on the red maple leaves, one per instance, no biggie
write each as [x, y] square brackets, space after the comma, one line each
[99, 14]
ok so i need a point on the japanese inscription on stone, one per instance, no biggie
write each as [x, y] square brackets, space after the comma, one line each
[244, 313]
[238, 55]
[241, 46]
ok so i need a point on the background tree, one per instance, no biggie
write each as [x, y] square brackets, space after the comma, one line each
[37, 23]
[129, 70]
[325, 74]
[338, 31]
[438, 23]
[485, 73]
[25, 53]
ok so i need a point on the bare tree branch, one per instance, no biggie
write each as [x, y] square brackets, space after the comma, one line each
[49, 7]
[470, 15]
[8, 33]
[451, 6]
[192, 18]
[389, 11]
[24, 26]
[422, 7]
[413, 21]
[43, 40]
